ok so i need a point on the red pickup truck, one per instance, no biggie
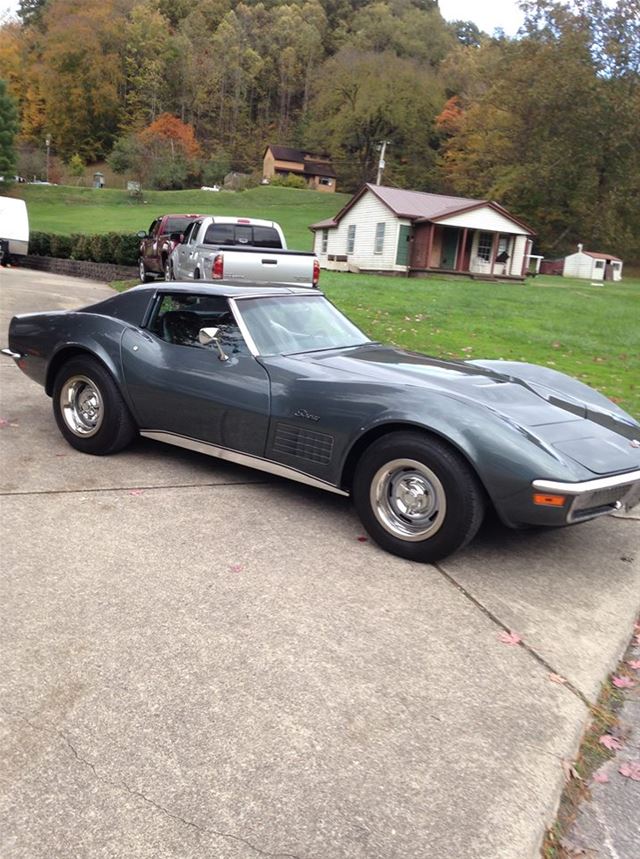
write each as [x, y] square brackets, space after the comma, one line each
[164, 234]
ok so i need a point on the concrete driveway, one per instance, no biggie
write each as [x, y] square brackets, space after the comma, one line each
[201, 661]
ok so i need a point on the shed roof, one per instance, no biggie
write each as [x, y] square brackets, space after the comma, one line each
[419, 205]
[601, 256]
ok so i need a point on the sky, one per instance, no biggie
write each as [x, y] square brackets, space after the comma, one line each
[488, 16]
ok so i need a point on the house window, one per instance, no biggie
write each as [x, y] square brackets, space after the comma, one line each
[324, 181]
[599, 263]
[351, 238]
[379, 238]
[485, 244]
[325, 241]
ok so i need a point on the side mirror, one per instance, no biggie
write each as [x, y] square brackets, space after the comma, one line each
[141, 234]
[206, 336]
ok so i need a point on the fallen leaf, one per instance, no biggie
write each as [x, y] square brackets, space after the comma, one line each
[557, 678]
[623, 682]
[630, 769]
[362, 539]
[569, 770]
[611, 743]
[572, 847]
[236, 568]
[634, 663]
[600, 777]
[60, 454]
[511, 638]
[136, 492]
[3, 423]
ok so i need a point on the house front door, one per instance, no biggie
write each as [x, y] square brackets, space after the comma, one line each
[402, 254]
[449, 248]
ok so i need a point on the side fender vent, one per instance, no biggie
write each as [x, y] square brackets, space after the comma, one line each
[303, 443]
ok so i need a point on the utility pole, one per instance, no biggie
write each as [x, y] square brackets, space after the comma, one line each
[382, 146]
[48, 145]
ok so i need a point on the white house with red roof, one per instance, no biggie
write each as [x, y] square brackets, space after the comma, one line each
[592, 265]
[411, 232]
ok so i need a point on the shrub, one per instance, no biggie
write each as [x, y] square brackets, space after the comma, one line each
[116, 248]
[40, 244]
[290, 181]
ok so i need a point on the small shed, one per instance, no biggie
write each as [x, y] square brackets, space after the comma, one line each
[592, 266]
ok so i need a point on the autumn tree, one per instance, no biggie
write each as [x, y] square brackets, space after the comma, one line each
[8, 131]
[162, 155]
[84, 83]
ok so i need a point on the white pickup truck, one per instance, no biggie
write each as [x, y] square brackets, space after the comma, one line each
[240, 250]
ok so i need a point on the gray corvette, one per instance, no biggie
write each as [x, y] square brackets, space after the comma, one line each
[278, 379]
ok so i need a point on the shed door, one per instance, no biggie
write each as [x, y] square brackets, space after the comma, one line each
[402, 256]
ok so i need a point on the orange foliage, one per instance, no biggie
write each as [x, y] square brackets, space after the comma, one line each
[450, 118]
[172, 130]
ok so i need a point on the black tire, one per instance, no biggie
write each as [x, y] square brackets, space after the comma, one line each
[417, 497]
[196, 274]
[143, 274]
[89, 409]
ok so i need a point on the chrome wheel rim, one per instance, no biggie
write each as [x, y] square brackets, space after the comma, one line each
[82, 406]
[143, 273]
[408, 499]
[167, 270]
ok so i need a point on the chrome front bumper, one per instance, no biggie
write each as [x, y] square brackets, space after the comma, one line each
[597, 497]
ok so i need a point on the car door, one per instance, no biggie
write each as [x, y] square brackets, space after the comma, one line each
[182, 250]
[179, 386]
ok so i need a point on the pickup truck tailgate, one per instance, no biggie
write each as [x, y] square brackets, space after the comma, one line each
[263, 265]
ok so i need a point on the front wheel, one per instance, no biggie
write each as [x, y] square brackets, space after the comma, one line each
[144, 275]
[417, 497]
[169, 273]
[89, 409]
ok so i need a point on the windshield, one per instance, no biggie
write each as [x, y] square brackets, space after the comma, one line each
[297, 323]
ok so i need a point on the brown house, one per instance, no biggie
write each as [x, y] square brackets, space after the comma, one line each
[316, 170]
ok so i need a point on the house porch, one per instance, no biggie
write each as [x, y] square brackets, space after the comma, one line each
[441, 249]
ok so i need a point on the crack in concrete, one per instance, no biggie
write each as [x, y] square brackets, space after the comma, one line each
[87, 490]
[523, 644]
[146, 799]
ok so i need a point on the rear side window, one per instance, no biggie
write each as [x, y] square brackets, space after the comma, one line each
[242, 234]
[177, 225]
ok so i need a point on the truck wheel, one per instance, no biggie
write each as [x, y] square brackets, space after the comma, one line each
[417, 497]
[196, 274]
[145, 277]
[169, 274]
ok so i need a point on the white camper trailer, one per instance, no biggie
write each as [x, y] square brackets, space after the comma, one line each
[14, 229]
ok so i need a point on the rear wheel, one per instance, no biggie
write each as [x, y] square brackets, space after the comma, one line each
[417, 497]
[89, 409]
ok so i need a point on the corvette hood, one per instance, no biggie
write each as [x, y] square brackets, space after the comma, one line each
[578, 421]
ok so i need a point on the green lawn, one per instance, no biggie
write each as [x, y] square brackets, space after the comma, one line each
[590, 332]
[65, 209]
